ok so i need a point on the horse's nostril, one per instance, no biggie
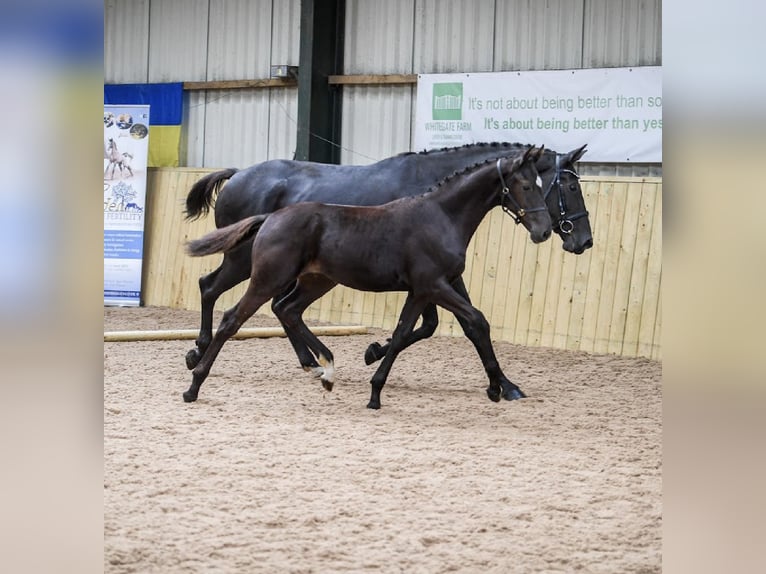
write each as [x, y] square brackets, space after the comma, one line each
[546, 235]
[588, 244]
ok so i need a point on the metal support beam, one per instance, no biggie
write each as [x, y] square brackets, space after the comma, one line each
[319, 103]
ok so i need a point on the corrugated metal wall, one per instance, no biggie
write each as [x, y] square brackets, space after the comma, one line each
[211, 40]
[196, 40]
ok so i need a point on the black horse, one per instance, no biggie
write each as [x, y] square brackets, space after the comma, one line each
[349, 245]
[271, 185]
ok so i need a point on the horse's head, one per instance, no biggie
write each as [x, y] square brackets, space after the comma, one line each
[564, 198]
[522, 195]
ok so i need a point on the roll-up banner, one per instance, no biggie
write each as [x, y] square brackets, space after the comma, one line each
[616, 111]
[126, 131]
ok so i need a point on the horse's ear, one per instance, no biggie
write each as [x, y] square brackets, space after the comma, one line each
[538, 153]
[528, 155]
[575, 154]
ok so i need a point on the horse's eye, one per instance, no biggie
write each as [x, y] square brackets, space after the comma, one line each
[572, 187]
[527, 187]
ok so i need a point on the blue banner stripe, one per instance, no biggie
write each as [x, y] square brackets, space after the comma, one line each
[166, 100]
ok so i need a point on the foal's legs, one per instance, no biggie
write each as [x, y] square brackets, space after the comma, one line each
[413, 307]
[230, 324]
[234, 269]
[289, 310]
[427, 328]
[476, 328]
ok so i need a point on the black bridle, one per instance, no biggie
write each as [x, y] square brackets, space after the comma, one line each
[564, 223]
[506, 198]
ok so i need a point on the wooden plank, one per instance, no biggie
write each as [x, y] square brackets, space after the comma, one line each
[649, 334]
[600, 214]
[539, 292]
[486, 296]
[500, 302]
[526, 288]
[640, 261]
[374, 79]
[477, 254]
[552, 290]
[515, 270]
[241, 84]
[611, 262]
[564, 306]
[244, 333]
[582, 263]
[656, 352]
[623, 277]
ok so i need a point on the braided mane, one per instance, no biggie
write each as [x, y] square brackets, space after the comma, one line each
[456, 149]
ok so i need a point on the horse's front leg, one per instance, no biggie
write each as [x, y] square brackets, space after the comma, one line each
[376, 351]
[476, 329]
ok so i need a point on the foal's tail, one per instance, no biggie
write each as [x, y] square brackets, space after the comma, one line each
[226, 238]
[200, 198]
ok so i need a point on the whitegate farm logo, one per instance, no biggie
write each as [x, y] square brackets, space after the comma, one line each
[447, 101]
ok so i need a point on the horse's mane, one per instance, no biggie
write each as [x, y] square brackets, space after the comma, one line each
[467, 169]
[456, 149]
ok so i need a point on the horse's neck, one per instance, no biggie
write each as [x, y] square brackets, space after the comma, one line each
[468, 198]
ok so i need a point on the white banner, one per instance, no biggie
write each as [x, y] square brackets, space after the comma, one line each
[126, 149]
[616, 111]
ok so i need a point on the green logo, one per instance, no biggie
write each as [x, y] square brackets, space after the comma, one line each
[447, 103]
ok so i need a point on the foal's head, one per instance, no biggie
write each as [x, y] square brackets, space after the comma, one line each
[522, 194]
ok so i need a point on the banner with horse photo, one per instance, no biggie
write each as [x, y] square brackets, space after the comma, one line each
[616, 111]
[126, 145]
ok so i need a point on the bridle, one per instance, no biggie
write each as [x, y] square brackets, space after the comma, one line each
[564, 223]
[514, 209]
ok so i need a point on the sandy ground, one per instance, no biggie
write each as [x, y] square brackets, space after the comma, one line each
[267, 472]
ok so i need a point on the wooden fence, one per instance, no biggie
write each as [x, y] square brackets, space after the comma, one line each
[606, 300]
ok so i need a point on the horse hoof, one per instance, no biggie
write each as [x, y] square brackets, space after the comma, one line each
[193, 358]
[494, 396]
[327, 385]
[514, 394]
[189, 397]
[373, 353]
[373, 405]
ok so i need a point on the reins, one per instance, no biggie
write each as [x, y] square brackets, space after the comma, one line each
[506, 198]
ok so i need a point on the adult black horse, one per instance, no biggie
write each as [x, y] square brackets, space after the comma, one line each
[271, 185]
[309, 242]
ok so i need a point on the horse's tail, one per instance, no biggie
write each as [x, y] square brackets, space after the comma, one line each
[200, 198]
[226, 238]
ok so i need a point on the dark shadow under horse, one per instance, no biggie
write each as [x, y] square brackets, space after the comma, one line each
[271, 185]
[350, 245]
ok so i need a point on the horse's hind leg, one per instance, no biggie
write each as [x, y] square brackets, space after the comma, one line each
[234, 269]
[413, 307]
[230, 324]
[289, 310]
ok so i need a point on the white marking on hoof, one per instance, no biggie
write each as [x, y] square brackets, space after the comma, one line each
[316, 372]
[329, 369]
